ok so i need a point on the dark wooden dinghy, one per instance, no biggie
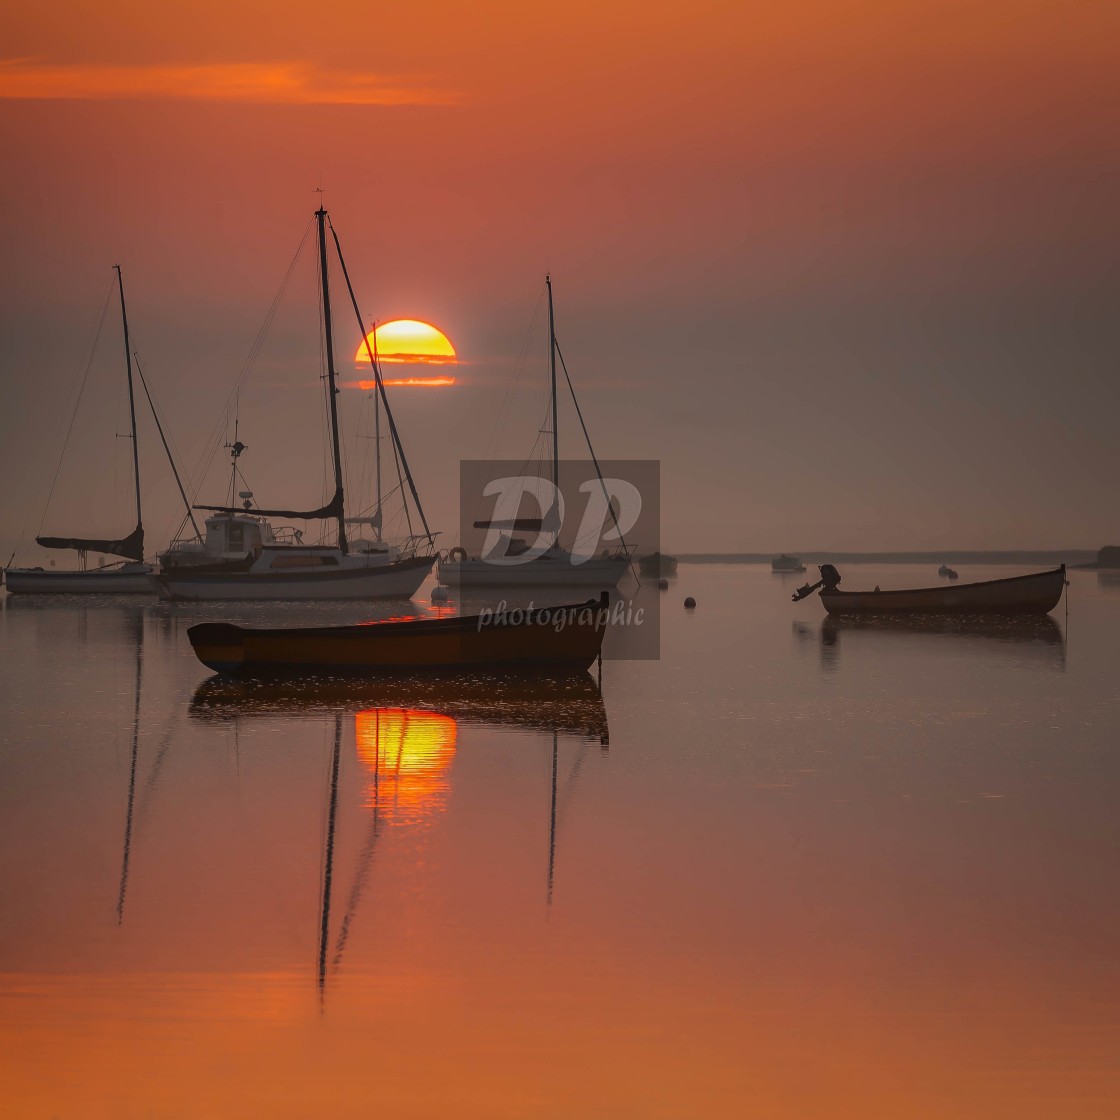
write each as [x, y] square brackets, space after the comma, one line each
[1031, 594]
[545, 640]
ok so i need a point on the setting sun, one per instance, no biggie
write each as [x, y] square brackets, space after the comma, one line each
[407, 340]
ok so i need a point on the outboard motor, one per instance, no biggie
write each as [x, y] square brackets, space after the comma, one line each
[830, 579]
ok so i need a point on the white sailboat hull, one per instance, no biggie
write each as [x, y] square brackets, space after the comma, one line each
[132, 579]
[400, 580]
[543, 571]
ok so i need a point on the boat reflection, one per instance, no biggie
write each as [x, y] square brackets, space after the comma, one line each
[568, 705]
[1037, 638]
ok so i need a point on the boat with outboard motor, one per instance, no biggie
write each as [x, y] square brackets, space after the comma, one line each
[1037, 593]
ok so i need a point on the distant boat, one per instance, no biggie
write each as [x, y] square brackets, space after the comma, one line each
[273, 569]
[1038, 593]
[555, 566]
[786, 563]
[657, 565]
[947, 572]
[547, 640]
[1108, 558]
[129, 578]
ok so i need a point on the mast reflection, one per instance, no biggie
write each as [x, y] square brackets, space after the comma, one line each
[406, 740]
[139, 635]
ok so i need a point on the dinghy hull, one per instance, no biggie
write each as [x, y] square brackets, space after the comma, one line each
[1038, 593]
[549, 640]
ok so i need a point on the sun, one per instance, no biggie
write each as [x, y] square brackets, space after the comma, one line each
[407, 340]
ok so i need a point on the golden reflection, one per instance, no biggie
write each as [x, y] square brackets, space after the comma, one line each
[408, 754]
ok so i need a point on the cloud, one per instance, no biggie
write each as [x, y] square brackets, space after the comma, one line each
[414, 382]
[261, 83]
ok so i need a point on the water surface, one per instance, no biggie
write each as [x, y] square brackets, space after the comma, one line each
[792, 869]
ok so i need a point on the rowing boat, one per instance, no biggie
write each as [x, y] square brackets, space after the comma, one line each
[1037, 593]
[544, 640]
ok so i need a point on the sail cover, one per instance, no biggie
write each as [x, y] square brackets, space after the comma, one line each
[550, 523]
[518, 524]
[333, 509]
[131, 547]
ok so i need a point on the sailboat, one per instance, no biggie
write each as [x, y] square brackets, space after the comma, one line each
[130, 578]
[272, 568]
[556, 566]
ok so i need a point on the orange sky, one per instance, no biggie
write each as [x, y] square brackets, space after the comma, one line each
[870, 244]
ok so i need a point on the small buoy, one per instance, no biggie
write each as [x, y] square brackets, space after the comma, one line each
[439, 594]
[690, 603]
[663, 584]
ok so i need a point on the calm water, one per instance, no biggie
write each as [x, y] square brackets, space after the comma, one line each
[789, 870]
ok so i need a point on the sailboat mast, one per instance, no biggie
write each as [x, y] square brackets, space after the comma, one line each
[234, 453]
[377, 430]
[131, 400]
[332, 389]
[393, 433]
[552, 382]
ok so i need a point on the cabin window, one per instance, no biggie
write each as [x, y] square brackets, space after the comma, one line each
[235, 536]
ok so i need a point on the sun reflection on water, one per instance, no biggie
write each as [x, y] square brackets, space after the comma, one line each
[407, 754]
